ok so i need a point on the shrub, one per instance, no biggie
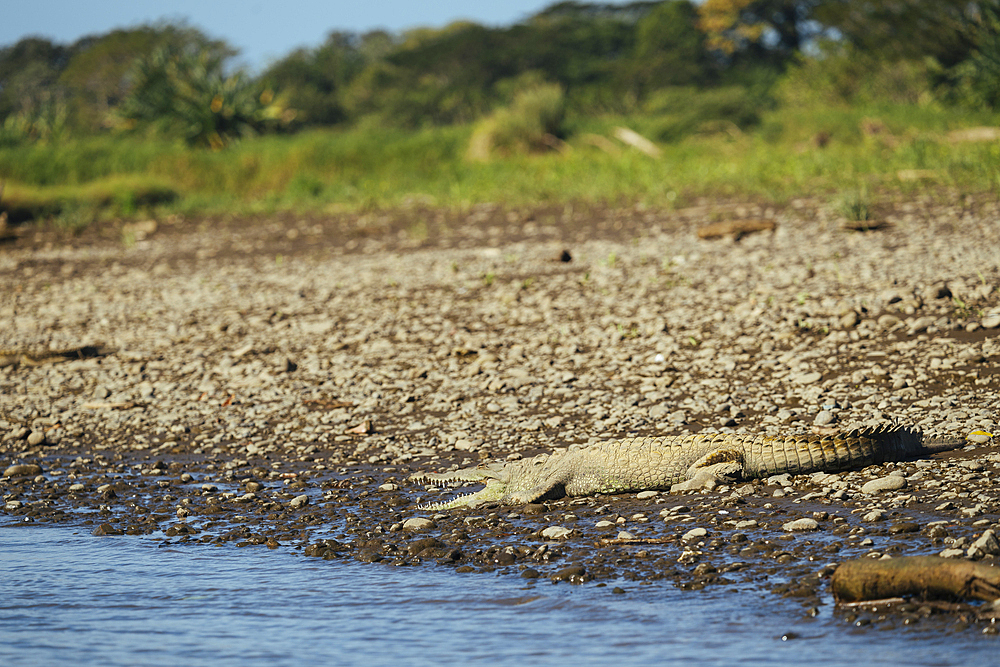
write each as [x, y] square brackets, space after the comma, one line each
[532, 122]
[187, 94]
[842, 75]
[682, 111]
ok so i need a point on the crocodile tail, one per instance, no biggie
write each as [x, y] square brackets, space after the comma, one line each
[802, 454]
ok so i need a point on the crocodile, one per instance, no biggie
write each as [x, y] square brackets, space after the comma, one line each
[679, 463]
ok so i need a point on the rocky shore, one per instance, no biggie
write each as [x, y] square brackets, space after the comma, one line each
[276, 381]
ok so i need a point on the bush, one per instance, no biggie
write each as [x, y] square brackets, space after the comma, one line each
[842, 75]
[532, 122]
[187, 94]
[682, 111]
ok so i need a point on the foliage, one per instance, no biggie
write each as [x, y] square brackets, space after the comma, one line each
[669, 48]
[313, 81]
[840, 74]
[331, 171]
[99, 77]
[76, 206]
[740, 25]
[531, 123]
[185, 92]
[681, 111]
[906, 29]
[29, 74]
[977, 79]
[44, 120]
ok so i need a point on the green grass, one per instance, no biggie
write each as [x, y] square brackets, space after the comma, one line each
[373, 168]
[76, 205]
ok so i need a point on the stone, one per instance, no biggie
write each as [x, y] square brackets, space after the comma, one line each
[801, 525]
[417, 523]
[987, 543]
[823, 418]
[299, 501]
[36, 438]
[556, 533]
[807, 378]
[694, 534]
[883, 484]
[23, 470]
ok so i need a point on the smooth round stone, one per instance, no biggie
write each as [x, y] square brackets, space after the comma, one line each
[801, 524]
[823, 418]
[888, 483]
[694, 534]
[23, 470]
[417, 523]
[556, 533]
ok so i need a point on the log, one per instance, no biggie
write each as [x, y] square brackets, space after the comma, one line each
[931, 577]
[738, 228]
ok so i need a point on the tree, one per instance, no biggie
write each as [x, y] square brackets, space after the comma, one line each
[313, 81]
[892, 29]
[669, 48]
[29, 71]
[99, 76]
[186, 92]
[977, 79]
[781, 26]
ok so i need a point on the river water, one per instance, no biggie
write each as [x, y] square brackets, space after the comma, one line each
[67, 597]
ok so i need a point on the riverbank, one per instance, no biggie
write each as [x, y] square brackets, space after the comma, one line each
[275, 381]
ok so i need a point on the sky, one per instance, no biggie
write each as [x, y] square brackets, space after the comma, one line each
[263, 30]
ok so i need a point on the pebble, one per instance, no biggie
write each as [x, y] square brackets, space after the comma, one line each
[36, 438]
[823, 418]
[808, 378]
[694, 534]
[882, 484]
[801, 524]
[299, 501]
[556, 533]
[23, 470]
[417, 523]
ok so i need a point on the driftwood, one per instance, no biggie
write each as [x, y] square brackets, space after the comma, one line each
[637, 141]
[738, 228]
[926, 576]
[866, 225]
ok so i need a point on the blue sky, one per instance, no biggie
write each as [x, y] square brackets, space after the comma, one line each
[263, 30]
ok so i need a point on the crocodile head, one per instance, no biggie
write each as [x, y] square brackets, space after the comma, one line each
[492, 474]
[494, 491]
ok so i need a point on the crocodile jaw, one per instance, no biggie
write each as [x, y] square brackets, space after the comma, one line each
[494, 491]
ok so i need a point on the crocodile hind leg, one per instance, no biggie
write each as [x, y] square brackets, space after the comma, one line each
[700, 477]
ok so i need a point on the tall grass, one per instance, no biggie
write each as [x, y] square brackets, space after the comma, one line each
[792, 152]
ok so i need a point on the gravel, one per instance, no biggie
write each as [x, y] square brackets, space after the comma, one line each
[275, 381]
